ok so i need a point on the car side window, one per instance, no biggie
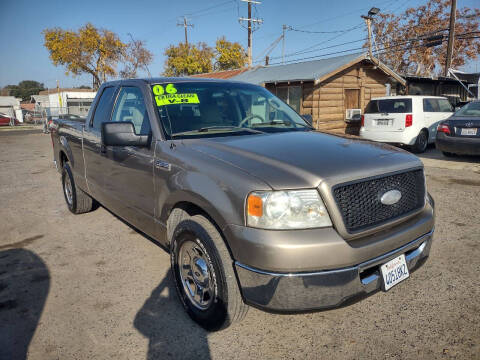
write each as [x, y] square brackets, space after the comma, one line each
[429, 105]
[104, 108]
[444, 105]
[131, 107]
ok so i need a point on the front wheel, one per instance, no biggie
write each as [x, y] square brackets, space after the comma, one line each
[204, 276]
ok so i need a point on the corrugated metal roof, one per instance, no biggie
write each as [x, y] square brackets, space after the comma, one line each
[306, 71]
[227, 74]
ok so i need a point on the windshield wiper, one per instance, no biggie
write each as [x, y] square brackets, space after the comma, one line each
[218, 127]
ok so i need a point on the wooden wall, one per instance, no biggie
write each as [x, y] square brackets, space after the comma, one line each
[326, 101]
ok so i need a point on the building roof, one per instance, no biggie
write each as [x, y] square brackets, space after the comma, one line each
[315, 70]
[28, 106]
[55, 90]
[9, 101]
[227, 74]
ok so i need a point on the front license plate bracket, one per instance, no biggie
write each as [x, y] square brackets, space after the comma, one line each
[394, 272]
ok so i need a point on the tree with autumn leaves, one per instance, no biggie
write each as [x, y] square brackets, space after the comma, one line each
[188, 59]
[415, 42]
[95, 51]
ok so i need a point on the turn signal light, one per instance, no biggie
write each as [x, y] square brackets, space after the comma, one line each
[362, 121]
[255, 206]
[443, 128]
[408, 120]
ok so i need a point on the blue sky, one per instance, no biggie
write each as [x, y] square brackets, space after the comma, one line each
[25, 58]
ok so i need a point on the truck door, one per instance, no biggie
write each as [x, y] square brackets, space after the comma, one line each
[92, 144]
[128, 177]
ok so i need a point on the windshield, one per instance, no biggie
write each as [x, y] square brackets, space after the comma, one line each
[209, 108]
[471, 109]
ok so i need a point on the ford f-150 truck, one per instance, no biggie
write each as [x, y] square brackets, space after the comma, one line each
[255, 207]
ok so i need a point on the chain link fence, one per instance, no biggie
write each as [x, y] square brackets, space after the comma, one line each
[42, 115]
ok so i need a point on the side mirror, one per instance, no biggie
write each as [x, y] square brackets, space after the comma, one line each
[122, 134]
[308, 118]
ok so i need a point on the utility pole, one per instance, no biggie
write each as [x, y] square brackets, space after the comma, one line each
[368, 20]
[185, 25]
[284, 27]
[250, 29]
[451, 36]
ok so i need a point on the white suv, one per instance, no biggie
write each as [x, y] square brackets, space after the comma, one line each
[406, 120]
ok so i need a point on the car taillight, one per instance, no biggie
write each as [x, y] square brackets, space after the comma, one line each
[408, 120]
[362, 120]
[443, 128]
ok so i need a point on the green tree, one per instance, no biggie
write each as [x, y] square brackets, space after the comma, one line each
[229, 55]
[184, 60]
[25, 89]
[88, 50]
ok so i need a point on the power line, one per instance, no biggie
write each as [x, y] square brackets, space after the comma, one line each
[324, 48]
[322, 32]
[384, 49]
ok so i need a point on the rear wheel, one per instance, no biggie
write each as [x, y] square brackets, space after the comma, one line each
[78, 202]
[421, 142]
[204, 276]
[448, 154]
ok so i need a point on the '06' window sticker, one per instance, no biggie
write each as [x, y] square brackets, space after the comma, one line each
[169, 96]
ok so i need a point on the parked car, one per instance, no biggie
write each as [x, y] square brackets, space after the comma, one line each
[405, 120]
[460, 134]
[254, 206]
[6, 120]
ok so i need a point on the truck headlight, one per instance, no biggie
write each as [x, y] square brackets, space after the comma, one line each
[292, 209]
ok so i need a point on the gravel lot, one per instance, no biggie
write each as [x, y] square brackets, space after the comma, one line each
[91, 287]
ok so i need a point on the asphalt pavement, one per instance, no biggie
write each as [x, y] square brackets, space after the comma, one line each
[91, 287]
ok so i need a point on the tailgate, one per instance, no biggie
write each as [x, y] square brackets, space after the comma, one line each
[387, 114]
[385, 122]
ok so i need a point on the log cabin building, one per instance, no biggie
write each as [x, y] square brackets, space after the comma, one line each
[327, 89]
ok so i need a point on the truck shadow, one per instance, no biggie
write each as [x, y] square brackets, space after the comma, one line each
[24, 286]
[171, 333]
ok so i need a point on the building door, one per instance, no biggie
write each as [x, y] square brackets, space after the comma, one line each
[352, 99]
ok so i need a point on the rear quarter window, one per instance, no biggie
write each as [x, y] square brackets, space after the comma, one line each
[389, 106]
[436, 105]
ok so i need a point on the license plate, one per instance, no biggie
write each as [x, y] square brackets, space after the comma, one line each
[383, 122]
[394, 271]
[470, 131]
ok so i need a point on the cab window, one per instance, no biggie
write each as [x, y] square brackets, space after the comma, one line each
[130, 107]
[104, 108]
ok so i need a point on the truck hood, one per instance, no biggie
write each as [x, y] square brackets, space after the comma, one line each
[292, 160]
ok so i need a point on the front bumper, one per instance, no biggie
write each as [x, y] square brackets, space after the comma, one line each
[457, 144]
[290, 292]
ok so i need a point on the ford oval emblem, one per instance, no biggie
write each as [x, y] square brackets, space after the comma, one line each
[391, 197]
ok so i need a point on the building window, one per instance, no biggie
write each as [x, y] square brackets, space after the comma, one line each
[292, 95]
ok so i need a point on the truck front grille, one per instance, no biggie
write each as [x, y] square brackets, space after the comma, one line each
[360, 205]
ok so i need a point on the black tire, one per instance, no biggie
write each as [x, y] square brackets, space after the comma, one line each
[421, 142]
[447, 154]
[176, 216]
[225, 305]
[78, 201]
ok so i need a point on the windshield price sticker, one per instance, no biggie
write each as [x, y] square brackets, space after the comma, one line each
[169, 89]
[171, 99]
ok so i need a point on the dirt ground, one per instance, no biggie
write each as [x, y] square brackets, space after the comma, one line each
[91, 287]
